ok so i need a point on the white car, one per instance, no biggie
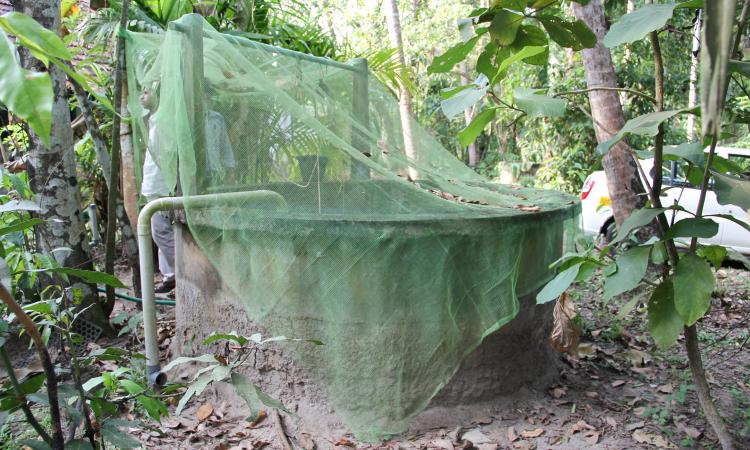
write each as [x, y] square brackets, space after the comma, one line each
[597, 216]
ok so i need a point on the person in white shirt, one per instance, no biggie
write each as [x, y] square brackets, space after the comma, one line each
[220, 163]
[155, 186]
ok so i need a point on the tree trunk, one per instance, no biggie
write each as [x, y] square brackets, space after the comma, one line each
[52, 176]
[469, 116]
[625, 188]
[127, 169]
[694, 66]
[394, 33]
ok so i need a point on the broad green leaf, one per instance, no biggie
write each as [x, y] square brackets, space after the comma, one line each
[658, 253]
[740, 67]
[692, 4]
[90, 276]
[714, 253]
[693, 283]
[33, 35]
[19, 205]
[638, 24]
[558, 285]
[521, 55]
[692, 227]
[485, 61]
[631, 267]
[465, 98]
[716, 45]
[692, 152]
[196, 388]
[645, 125]
[637, 219]
[20, 226]
[445, 62]
[186, 359]
[732, 190]
[118, 438]
[155, 408]
[731, 218]
[27, 94]
[470, 133]
[561, 31]
[225, 337]
[531, 36]
[664, 324]
[725, 166]
[504, 26]
[583, 33]
[537, 105]
[254, 396]
[131, 387]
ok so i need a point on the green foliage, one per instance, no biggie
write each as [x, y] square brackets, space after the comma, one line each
[631, 268]
[28, 94]
[693, 283]
[638, 24]
[536, 105]
[221, 367]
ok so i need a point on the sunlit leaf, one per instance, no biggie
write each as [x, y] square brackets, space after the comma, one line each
[445, 62]
[645, 125]
[638, 24]
[732, 190]
[693, 283]
[558, 285]
[535, 104]
[631, 267]
[27, 94]
[692, 227]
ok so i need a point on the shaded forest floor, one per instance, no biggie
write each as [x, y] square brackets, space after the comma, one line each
[618, 392]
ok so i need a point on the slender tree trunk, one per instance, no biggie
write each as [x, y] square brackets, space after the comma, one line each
[114, 173]
[127, 170]
[52, 175]
[625, 188]
[469, 116]
[394, 33]
[694, 66]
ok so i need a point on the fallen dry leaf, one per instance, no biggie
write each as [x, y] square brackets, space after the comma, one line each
[637, 357]
[591, 437]
[306, 442]
[689, 431]
[565, 334]
[476, 437]
[665, 389]
[344, 442]
[532, 433]
[617, 383]
[611, 421]
[526, 208]
[656, 440]
[581, 426]
[204, 412]
[511, 434]
[635, 425]
[445, 444]
[558, 392]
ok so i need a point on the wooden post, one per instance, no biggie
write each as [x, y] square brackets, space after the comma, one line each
[361, 112]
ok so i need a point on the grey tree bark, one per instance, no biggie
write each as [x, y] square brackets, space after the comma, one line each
[52, 174]
[404, 101]
[625, 187]
[694, 66]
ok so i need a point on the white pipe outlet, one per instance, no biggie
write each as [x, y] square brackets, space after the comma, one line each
[146, 255]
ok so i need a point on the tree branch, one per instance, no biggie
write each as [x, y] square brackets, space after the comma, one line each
[607, 88]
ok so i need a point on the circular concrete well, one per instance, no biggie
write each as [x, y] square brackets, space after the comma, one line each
[366, 375]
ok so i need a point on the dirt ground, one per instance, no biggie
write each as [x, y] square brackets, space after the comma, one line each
[618, 392]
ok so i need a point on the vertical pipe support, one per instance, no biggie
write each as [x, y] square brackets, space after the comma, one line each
[262, 199]
[361, 113]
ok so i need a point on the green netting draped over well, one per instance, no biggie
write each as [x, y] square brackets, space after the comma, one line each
[397, 256]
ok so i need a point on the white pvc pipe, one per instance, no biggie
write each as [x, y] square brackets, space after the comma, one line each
[146, 256]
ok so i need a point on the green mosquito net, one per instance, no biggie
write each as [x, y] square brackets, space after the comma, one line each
[389, 250]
